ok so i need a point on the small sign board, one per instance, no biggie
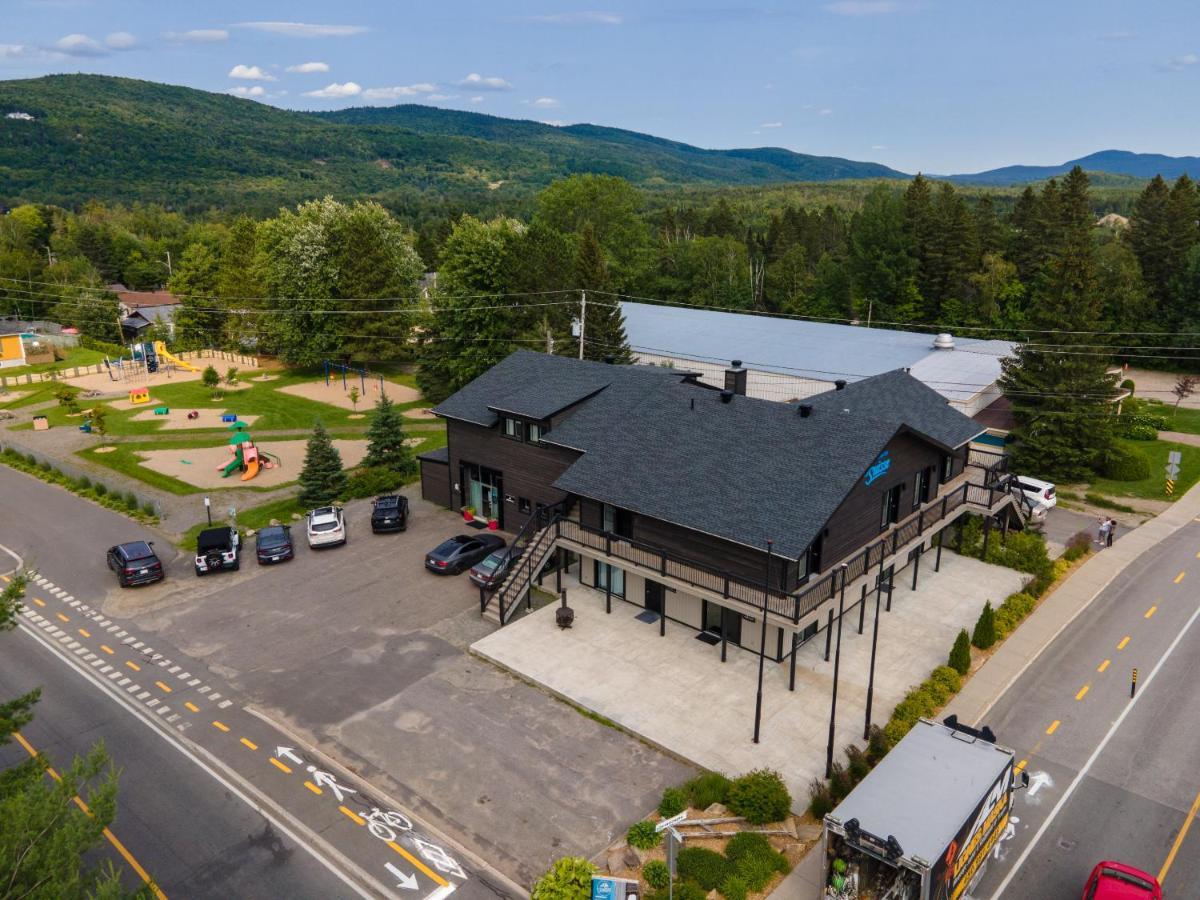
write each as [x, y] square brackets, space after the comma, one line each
[1172, 470]
[673, 820]
[1175, 456]
[605, 887]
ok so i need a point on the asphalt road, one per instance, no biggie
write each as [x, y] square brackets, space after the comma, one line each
[192, 836]
[1111, 777]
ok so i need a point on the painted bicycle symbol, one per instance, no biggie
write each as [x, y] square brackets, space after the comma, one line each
[384, 824]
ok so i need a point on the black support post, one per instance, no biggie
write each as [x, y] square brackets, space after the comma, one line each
[795, 651]
[862, 607]
[608, 590]
[837, 660]
[558, 571]
[829, 633]
[917, 553]
[891, 586]
[871, 675]
[662, 616]
[937, 562]
[987, 532]
[762, 646]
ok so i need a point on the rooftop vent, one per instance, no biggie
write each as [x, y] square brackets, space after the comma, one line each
[610, 359]
[805, 410]
[943, 341]
[840, 384]
[735, 378]
[726, 396]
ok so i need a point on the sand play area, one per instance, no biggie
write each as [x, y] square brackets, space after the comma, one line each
[201, 466]
[178, 418]
[106, 385]
[335, 395]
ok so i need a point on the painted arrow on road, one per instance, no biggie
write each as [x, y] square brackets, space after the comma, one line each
[1037, 781]
[288, 753]
[408, 882]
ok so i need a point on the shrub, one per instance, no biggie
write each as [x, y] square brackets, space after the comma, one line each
[148, 508]
[857, 765]
[31, 459]
[970, 536]
[371, 482]
[210, 379]
[673, 802]
[984, 635]
[1079, 545]
[1139, 431]
[99, 489]
[706, 789]
[643, 836]
[570, 878]
[131, 500]
[231, 375]
[1022, 550]
[1123, 464]
[84, 483]
[1005, 622]
[877, 745]
[760, 796]
[747, 843]
[1128, 385]
[840, 782]
[960, 654]
[734, 888]
[705, 867]
[949, 680]
[757, 871]
[656, 874]
[684, 890]
[820, 799]
[754, 859]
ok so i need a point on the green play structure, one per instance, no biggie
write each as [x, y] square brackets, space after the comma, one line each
[247, 457]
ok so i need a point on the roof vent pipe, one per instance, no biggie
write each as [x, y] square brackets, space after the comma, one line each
[610, 359]
[840, 384]
[726, 396]
[805, 410]
[943, 341]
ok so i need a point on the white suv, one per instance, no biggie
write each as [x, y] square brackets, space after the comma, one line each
[1037, 493]
[326, 526]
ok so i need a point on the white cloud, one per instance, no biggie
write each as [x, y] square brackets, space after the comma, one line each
[771, 125]
[862, 7]
[303, 29]
[308, 68]
[879, 146]
[336, 90]
[243, 91]
[395, 92]
[590, 17]
[546, 102]
[79, 45]
[14, 51]
[121, 40]
[825, 112]
[476, 99]
[198, 36]
[1182, 62]
[478, 82]
[250, 73]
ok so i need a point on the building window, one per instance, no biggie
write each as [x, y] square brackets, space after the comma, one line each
[523, 504]
[947, 468]
[512, 429]
[604, 572]
[535, 433]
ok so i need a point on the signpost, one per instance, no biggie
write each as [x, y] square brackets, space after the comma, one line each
[674, 841]
[1174, 458]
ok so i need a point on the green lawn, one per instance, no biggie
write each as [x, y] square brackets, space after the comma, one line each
[1153, 488]
[251, 517]
[76, 356]
[1183, 419]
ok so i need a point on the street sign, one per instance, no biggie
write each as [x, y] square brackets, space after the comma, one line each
[667, 823]
[1172, 470]
[1175, 456]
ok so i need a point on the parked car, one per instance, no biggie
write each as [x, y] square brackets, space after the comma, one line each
[461, 552]
[1037, 492]
[135, 563]
[490, 571]
[1117, 881]
[273, 544]
[217, 549]
[389, 513]
[326, 526]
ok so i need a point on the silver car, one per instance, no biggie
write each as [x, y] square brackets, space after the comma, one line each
[326, 526]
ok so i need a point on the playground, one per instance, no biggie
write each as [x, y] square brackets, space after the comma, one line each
[180, 418]
[209, 467]
[334, 394]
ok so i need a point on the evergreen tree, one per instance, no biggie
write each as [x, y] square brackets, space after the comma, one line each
[1150, 238]
[984, 634]
[960, 653]
[881, 261]
[385, 440]
[1059, 386]
[322, 480]
[200, 319]
[604, 335]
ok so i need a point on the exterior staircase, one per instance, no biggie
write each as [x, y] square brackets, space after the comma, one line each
[500, 605]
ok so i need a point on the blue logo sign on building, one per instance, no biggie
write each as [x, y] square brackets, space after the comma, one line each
[605, 888]
[878, 469]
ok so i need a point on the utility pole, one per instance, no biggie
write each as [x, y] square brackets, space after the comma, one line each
[170, 271]
[582, 319]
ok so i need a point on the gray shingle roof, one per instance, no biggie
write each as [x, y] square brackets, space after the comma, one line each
[747, 471]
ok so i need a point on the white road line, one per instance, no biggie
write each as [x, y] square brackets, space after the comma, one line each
[205, 689]
[193, 682]
[214, 696]
[1062, 801]
[184, 676]
[152, 703]
[162, 709]
[114, 674]
[133, 688]
[123, 681]
[120, 633]
[143, 695]
[174, 669]
[224, 704]
[105, 669]
[138, 645]
[282, 819]
[97, 661]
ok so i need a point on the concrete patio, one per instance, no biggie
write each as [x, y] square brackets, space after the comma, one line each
[674, 692]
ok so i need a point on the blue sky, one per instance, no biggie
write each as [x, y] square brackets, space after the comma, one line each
[935, 85]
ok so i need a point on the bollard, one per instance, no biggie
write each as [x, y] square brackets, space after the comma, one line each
[1133, 684]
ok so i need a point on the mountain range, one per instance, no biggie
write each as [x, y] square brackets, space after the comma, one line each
[68, 139]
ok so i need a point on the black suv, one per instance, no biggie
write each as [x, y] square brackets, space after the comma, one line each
[389, 513]
[135, 563]
[218, 548]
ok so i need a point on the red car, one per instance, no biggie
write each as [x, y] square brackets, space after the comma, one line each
[1117, 881]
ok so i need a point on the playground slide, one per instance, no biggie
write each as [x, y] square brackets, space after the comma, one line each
[252, 462]
[232, 466]
[161, 349]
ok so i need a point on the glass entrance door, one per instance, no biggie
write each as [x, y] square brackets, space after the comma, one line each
[482, 490]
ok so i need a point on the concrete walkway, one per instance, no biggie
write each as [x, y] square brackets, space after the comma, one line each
[1034, 635]
[1180, 437]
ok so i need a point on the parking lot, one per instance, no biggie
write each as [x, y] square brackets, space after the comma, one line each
[364, 653]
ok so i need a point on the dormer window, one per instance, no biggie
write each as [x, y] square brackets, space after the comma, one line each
[513, 428]
[535, 433]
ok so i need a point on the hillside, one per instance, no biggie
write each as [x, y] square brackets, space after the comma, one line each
[1112, 162]
[122, 140]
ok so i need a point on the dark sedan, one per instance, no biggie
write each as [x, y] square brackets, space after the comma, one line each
[135, 563]
[461, 552]
[273, 544]
[490, 571]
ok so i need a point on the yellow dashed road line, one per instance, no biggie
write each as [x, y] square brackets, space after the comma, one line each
[353, 816]
[1053, 727]
[162, 687]
[1151, 611]
[1022, 764]
[250, 744]
[35, 599]
[85, 632]
[220, 725]
[1124, 641]
[281, 766]
[441, 882]
[107, 649]
[1082, 692]
[312, 787]
[63, 618]
[133, 666]
[192, 706]
[1104, 665]
[1179, 577]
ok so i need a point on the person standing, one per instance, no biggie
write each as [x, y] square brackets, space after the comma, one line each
[1102, 532]
[1112, 529]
